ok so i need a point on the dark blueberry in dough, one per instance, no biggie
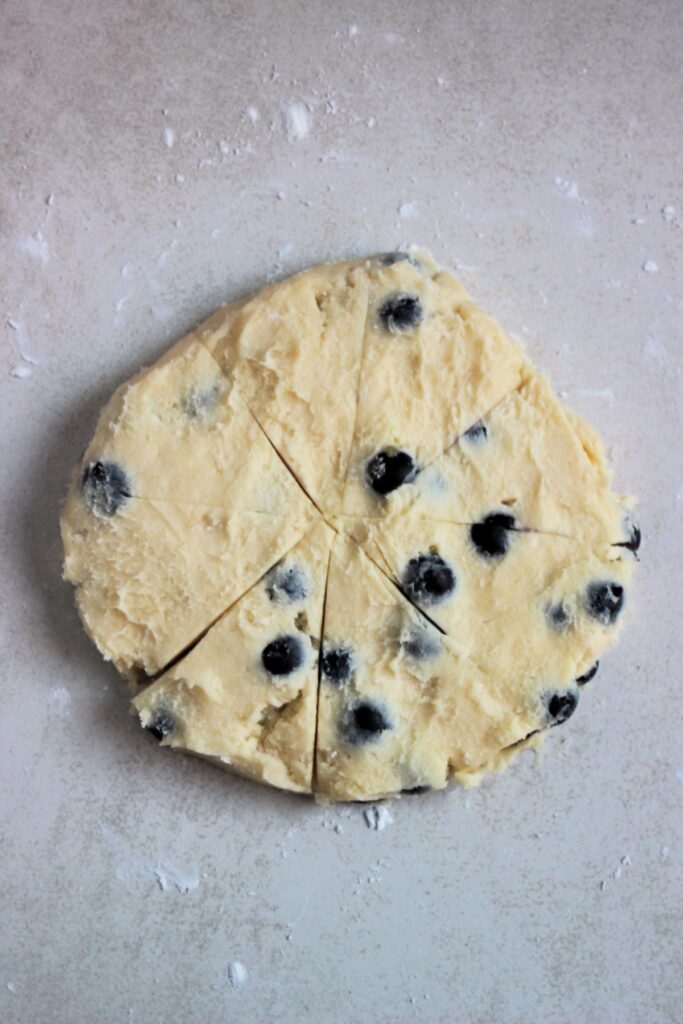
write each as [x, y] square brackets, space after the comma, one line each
[420, 643]
[561, 706]
[401, 313]
[491, 537]
[590, 674]
[558, 616]
[634, 537]
[477, 433]
[417, 789]
[365, 722]
[337, 665]
[282, 656]
[604, 601]
[388, 259]
[287, 584]
[428, 579]
[105, 488]
[163, 724]
[388, 469]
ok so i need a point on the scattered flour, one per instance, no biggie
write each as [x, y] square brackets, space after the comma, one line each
[353, 30]
[407, 210]
[58, 700]
[11, 987]
[605, 393]
[567, 187]
[377, 817]
[21, 372]
[295, 121]
[180, 178]
[238, 975]
[131, 866]
[664, 852]
[251, 113]
[168, 136]
[650, 267]
[169, 876]
[668, 212]
[36, 246]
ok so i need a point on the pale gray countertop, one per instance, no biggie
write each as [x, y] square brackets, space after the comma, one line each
[533, 145]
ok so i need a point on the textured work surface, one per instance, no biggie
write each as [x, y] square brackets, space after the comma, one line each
[537, 146]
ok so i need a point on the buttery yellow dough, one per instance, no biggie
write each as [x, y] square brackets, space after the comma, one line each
[343, 538]
[220, 701]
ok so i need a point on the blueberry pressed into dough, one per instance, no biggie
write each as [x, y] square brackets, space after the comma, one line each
[345, 539]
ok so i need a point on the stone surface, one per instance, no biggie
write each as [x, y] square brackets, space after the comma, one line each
[536, 145]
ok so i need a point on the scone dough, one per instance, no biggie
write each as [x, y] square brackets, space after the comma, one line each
[345, 539]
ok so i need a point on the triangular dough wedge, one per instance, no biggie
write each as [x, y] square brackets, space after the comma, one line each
[401, 707]
[513, 601]
[246, 695]
[154, 575]
[179, 432]
[433, 363]
[530, 458]
[294, 351]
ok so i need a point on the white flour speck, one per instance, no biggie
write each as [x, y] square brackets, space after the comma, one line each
[637, 220]
[168, 136]
[120, 303]
[668, 212]
[238, 975]
[567, 187]
[353, 30]
[58, 700]
[21, 372]
[664, 852]
[407, 210]
[650, 267]
[295, 121]
[377, 817]
[23, 340]
[180, 178]
[11, 987]
[440, 81]
[167, 876]
[371, 122]
[36, 246]
[605, 393]
[252, 114]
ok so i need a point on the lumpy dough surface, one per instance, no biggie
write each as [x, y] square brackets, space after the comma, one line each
[345, 539]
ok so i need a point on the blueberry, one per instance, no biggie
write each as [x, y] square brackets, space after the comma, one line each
[590, 674]
[388, 259]
[491, 537]
[401, 313]
[420, 643]
[337, 664]
[634, 537]
[558, 616]
[365, 722]
[561, 706]
[477, 433]
[282, 656]
[428, 579]
[388, 469]
[163, 724]
[604, 601]
[287, 584]
[105, 488]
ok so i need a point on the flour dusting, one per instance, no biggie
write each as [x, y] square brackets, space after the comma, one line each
[168, 136]
[169, 876]
[295, 121]
[58, 700]
[21, 372]
[650, 267]
[36, 246]
[567, 187]
[131, 867]
[238, 975]
[668, 212]
[377, 817]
